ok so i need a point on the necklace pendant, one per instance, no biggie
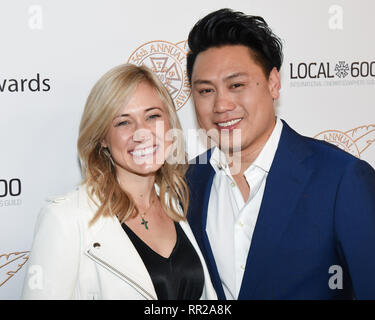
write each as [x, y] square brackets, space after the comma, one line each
[144, 222]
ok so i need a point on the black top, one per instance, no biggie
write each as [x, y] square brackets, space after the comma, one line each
[178, 277]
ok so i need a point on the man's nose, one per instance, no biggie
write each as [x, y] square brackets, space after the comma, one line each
[223, 103]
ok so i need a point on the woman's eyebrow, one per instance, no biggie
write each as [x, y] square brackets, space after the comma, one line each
[152, 108]
[122, 115]
[128, 115]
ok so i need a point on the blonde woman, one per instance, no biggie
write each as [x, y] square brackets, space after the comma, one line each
[122, 234]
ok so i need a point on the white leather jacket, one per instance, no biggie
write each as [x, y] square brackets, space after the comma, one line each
[70, 260]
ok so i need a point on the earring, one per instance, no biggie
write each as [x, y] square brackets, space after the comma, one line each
[107, 153]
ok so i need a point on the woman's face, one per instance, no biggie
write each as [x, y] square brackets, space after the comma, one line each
[137, 135]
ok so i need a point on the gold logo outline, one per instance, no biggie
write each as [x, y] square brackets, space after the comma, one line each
[19, 255]
[360, 138]
[179, 100]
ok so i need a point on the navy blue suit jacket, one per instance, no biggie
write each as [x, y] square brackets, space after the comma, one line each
[318, 211]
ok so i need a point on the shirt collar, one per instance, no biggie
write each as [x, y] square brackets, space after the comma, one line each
[264, 160]
[219, 162]
[265, 157]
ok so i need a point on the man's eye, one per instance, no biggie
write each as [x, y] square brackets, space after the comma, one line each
[205, 91]
[236, 85]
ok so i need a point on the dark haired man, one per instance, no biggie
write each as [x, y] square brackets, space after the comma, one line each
[296, 219]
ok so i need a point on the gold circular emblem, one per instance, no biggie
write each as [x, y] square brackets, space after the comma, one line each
[168, 62]
[341, 140]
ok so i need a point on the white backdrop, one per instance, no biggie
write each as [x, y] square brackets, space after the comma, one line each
[53, 51]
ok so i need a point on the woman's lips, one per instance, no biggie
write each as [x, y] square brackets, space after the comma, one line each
[144, 152]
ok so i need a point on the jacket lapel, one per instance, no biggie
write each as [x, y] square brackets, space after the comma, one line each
[110, 246]
[200, 178]
[286, 180]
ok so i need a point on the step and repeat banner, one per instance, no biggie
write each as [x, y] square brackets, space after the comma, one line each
[53, 51]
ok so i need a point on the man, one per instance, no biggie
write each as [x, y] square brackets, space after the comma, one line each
[296, 218]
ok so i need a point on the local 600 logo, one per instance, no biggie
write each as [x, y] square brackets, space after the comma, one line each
[10, 192]
[10, 187]
[327, 70]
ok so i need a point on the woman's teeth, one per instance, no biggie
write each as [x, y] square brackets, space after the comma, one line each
[143, 152]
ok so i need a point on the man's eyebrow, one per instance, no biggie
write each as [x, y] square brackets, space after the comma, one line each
[229, 77]
[235, 75]
[199, 81]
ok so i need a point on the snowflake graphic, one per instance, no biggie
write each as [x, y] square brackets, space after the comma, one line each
[342, 69]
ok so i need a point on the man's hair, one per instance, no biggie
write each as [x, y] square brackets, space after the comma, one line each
[228, 27]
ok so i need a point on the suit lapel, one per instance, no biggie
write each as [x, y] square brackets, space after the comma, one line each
[200, 177]
[285, 182]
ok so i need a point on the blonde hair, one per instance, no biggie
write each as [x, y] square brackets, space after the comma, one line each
[112, 91]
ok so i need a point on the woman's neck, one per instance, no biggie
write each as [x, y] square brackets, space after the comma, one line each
[141, 188]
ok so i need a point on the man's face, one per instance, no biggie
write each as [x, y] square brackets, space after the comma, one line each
[231, 91]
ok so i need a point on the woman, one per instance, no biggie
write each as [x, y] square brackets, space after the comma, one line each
[122, 234]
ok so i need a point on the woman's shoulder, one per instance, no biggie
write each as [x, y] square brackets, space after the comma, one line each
[71, 204]
[62, 201]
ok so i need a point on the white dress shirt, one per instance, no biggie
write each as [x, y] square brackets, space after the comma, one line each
[230, 220]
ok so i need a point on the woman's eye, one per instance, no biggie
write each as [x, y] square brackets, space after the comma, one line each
[154, 116]
[122, 123]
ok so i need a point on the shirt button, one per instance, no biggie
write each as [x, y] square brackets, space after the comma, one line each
[241, 223]
[242, 267]
[233, 184]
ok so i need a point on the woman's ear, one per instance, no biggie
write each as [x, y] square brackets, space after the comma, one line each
[104, 144]
[274, 84]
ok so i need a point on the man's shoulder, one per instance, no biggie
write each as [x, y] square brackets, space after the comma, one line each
[323, 151]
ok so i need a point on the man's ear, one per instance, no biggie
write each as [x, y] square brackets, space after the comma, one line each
[274, 84]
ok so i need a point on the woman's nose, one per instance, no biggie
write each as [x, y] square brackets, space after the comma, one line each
[142, 134]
